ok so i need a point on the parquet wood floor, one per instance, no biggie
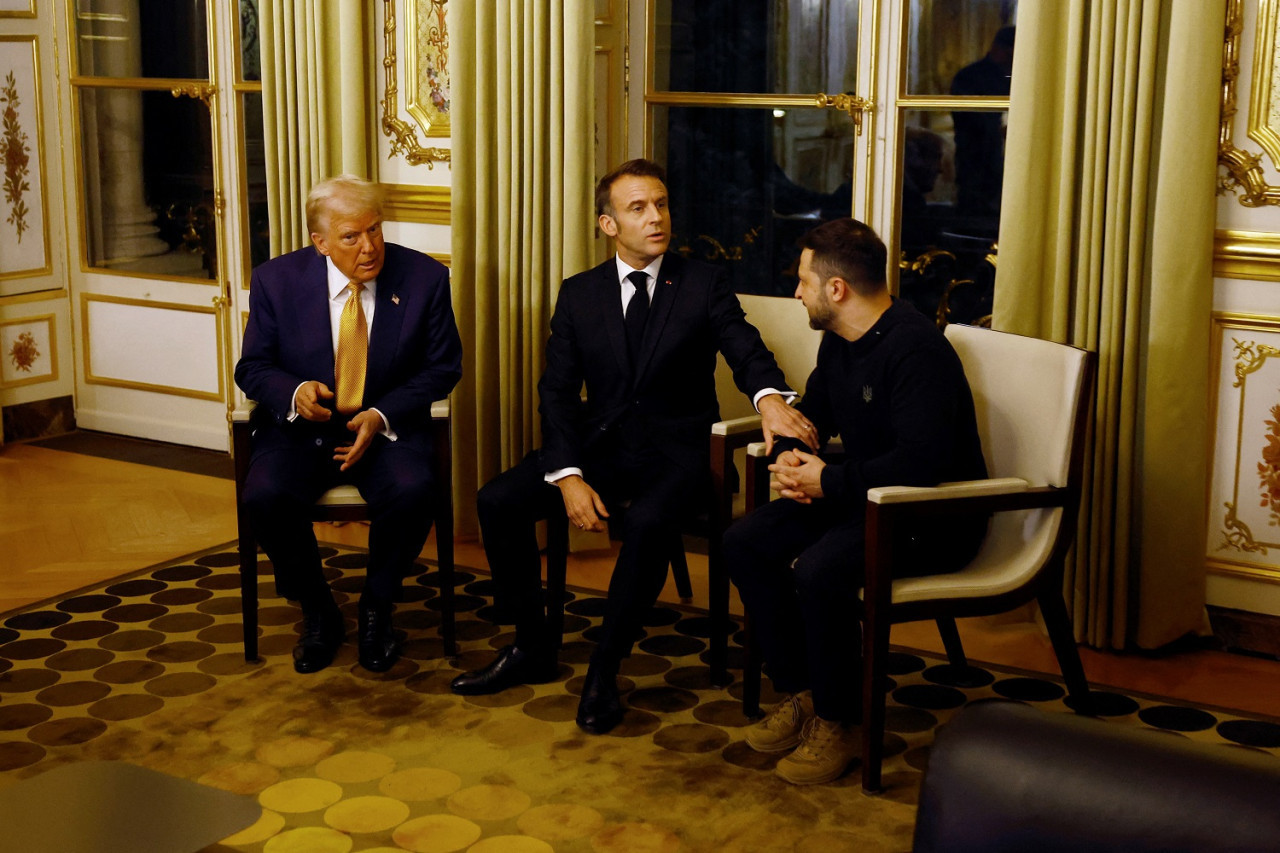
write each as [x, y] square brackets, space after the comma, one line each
[68, 521]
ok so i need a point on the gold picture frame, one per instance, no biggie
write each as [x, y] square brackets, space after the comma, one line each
[1243, 174]
[28, 350]
[425, 67]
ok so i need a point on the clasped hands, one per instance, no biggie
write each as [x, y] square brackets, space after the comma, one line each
[309, 403]
[586, 509]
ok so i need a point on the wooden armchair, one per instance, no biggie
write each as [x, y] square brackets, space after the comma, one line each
[1032, 400]
[344, 503]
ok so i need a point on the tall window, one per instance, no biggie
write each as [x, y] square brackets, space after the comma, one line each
[775, 115]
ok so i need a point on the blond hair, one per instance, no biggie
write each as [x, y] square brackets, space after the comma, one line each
[341, 194]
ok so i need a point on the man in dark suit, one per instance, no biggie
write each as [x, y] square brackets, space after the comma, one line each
[641, 332]
[348, 343]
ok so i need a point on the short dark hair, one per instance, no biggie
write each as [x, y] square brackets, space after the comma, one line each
[638, 168]
[848, 249]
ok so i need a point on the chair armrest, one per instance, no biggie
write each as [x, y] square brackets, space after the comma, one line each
[241, 415]
[440, 409]
[947, 491]
[737, 426]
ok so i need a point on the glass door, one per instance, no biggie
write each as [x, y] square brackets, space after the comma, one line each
[762, 112]
[775, 115]
[157, 164]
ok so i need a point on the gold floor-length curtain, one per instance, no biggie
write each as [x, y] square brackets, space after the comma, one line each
[317, 76]
[1106, 242]
[522, 126]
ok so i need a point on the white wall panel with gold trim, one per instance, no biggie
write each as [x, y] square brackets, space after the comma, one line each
[35, 322]
[1243, 545]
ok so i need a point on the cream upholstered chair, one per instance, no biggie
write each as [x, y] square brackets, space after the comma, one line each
[783, 324]
[343, 503]
[1032, 401]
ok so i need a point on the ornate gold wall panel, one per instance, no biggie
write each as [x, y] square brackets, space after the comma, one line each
[406, 203]
[403, 135]
[1244, 174]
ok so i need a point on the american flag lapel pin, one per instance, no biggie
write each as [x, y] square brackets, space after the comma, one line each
[395, 299]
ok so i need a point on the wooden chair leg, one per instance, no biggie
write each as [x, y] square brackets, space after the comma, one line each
[1058, 623]
[557, 559]
[874, 674]
[680, 571]
[951, 641]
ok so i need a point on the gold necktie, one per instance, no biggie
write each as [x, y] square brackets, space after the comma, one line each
[353, 352]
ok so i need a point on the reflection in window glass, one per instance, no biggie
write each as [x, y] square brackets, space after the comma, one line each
[756, 46]
[948, 229]
[960, 47]
[144, 38]
[250, 47]
[255, 165]
[745, 184]
[147, 180]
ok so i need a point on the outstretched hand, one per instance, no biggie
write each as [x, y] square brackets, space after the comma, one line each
[584, 506]
[778, 419]
[365, 425]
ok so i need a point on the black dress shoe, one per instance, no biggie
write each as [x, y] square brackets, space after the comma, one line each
[512, 666]
[600, 708]
[322, 633]
[378, 647]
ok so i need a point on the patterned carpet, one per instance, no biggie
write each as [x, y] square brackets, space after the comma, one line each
[150, 670]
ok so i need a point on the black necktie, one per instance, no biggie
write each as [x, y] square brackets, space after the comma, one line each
[637, 311]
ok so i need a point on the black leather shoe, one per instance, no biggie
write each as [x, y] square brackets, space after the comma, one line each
[378, 647]
[600, 708]
[322, 633]
[512, 666]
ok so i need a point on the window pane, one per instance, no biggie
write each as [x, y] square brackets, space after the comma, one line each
[250, 48]
[746, 183]
[255, 165]
[960, 47]
[148, 183]
[950, 209]
[142, 38]
[756, 46]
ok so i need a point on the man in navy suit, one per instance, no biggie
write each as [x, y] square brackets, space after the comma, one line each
[305, 443]
[641, 332]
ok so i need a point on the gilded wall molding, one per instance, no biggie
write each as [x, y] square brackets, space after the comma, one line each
[403, 135]
[1249, 255]
[405, 203]
[1244, 175]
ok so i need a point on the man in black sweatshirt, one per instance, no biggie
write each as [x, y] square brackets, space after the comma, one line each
[890, 385]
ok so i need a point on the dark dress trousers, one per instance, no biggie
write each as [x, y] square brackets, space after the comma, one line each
[415, 358]
[641, 436]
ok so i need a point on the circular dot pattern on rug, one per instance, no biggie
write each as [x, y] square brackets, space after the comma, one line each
[420, 784]
[436, 834]
[1177, 719]
[691, 738]
[1106, 704]
[511, 844]
[958, 676]
[366, 814]
[488, 802]
[1029, 689]
[1251, 733]
[560, 822]
[300, 795]
[931, 696]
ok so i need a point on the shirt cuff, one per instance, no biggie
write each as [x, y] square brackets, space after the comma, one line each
[788, 396]
[560, 474]
[386, 426]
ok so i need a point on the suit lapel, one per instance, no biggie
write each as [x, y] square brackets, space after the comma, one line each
[315, 319]
[388, 315]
